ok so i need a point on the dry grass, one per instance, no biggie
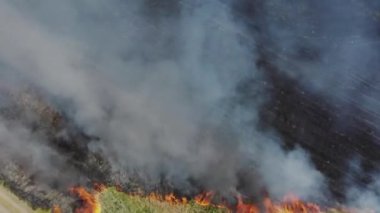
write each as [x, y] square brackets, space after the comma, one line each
[9, 203]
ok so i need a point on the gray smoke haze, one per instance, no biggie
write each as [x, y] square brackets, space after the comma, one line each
[363, 197]
[156, 82]
[332, 49]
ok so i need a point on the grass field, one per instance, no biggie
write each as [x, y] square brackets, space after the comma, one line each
[113, 201]
[9, 203]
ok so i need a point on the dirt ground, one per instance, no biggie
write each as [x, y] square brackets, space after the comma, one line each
[9, 203]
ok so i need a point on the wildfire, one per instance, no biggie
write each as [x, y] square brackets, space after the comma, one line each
[90, 201]
[290, 204]
[241, 207]
[169, 198]
[204, 199]
[56, 209]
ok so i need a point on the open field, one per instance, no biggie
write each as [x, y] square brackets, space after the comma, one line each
[9, 203]
[113, 201]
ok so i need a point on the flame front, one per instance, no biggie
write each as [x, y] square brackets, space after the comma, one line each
[169, 198]
[56, 209]
[204, 199]
[290, 204]
[241, 207]
[90, 201]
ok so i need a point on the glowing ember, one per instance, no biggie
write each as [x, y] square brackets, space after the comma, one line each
[90, 201]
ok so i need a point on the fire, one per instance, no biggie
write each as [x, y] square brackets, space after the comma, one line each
[290, 204]
[56, 209]
[241, 207]
[90, 201]
[204, 199]
[169, 198]
[293, 205]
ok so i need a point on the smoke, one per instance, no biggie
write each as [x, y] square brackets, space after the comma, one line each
[290, 172]
[157, 82]
[330, 48]
[325, 56]
[366, 197]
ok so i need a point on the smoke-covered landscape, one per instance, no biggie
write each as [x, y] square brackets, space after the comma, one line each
[237, 101]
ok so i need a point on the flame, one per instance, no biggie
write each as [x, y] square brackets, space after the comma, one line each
[56, 209]
[204, 199]
[169, 198]
[90, 201]
[241, 207]
[290, 204]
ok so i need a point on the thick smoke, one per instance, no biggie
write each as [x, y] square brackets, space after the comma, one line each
[330, 47]
[156, 82]
[328, 50]
[364, 197]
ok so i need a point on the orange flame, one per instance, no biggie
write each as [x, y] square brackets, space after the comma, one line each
[241, 207]
[56, 209]
[204, 199]
[290, 204]
[91, 202]
[169, 198]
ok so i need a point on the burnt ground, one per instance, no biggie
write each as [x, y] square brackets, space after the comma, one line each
[17, 173]
[299, 115]
[306, 119]
[334, 131]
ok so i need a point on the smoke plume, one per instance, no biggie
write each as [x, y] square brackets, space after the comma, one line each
[177, 90]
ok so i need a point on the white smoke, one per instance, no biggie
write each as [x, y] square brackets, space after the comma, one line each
[154, 81]
[331, 49]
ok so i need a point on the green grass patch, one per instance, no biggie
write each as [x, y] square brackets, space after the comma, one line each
[113, 201]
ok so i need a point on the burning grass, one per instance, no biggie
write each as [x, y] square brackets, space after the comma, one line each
[111, 200]
[90, 201]
[101, 200]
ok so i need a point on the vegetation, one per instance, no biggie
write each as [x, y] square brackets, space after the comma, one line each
[113, 201]
[11, 203]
